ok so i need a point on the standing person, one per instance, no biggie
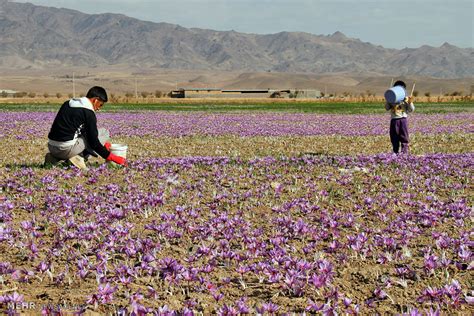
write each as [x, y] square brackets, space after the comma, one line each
[399, 122]
[74, 135]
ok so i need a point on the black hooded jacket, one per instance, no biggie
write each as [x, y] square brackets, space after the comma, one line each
[76, 118]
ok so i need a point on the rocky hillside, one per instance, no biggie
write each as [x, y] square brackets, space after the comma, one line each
[38, 37]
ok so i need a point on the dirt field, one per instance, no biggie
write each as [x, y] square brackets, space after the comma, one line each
[121, 80]
[240, 213]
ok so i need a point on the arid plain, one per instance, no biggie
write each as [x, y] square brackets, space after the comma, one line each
[120, 80]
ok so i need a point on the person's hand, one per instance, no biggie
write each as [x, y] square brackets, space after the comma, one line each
[107, 145]
[117, 159]
[410, 99]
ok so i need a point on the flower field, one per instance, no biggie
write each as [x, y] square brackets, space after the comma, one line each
[157, 124]
[244, 213]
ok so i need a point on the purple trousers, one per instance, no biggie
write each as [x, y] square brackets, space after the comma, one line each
[399, 134]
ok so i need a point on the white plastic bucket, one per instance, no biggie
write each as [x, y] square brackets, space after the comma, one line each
[395, 95]
[119, 150]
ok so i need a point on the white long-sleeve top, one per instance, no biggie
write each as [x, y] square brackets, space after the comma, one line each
[400, 110]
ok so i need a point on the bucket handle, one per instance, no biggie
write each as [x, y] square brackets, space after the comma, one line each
[412, 89]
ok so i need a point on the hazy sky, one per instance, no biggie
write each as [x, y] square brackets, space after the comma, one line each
[390, 23]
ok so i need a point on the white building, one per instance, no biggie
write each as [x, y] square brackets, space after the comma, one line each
[5, 93]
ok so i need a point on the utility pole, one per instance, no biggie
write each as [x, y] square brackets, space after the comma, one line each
[73, 86]
[136, 88]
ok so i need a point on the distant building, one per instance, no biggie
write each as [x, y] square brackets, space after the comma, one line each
[243, 93]
[306, 94]
[296, 94]
[195, 93]
[4, 93]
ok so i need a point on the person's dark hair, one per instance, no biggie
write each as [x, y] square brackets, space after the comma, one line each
[97, 92]
[400, 83]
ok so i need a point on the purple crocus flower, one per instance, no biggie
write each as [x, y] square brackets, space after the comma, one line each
[431, 263]
[136, 308]
[380, 294]
[269, 307]
[15, 298]
[105, 293]
[242, 306]
[314, 307]
[228, 311]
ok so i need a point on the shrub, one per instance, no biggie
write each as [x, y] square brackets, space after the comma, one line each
[276, 94]
[456, 93]
[20, 94]
[114, 98]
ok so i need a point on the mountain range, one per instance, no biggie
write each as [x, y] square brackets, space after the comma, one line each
[39, 37]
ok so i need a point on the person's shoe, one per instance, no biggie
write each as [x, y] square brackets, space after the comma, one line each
[79, 162]
[50, 159]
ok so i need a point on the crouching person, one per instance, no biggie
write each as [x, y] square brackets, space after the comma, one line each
[74, 135]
